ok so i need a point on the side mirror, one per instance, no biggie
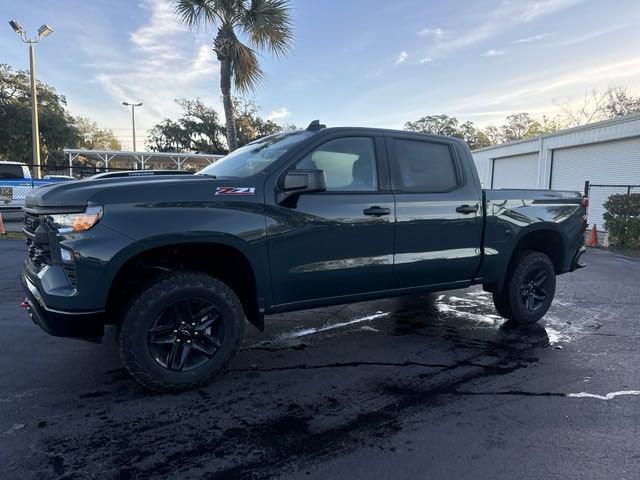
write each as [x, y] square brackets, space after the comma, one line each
[296, 182]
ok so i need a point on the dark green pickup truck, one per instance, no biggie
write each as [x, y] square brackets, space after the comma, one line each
[293, 221]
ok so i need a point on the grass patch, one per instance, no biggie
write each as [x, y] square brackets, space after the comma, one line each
[12, 236]
[629, 252]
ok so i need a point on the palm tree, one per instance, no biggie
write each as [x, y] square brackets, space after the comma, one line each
[266, 24]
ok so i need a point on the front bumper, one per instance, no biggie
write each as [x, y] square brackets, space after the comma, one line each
[83, 325]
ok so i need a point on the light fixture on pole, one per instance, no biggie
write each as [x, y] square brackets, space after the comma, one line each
[133, 119]
[43, 31]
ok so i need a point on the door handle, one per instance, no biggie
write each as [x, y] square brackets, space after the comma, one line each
[467, 209]
[376, 211]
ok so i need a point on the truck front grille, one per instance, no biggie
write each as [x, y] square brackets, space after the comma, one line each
[38, 242]
[70, 271]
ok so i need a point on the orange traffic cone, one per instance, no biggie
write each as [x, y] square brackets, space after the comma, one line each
[592, 239]
[2, 232]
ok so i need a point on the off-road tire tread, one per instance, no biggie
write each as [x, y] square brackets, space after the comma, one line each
[502, 300]
[138, 308]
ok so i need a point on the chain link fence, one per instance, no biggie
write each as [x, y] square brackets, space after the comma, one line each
[17, 180]
[598, 194]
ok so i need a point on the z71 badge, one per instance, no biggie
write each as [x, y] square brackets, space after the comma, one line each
[235, 190]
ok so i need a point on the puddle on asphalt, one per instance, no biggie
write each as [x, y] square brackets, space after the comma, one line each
[465, 311]
[331, 326]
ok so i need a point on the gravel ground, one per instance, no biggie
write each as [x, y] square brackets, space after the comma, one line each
[432, 386]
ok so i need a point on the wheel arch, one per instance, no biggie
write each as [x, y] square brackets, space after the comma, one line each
[224, 257]
[544, 237]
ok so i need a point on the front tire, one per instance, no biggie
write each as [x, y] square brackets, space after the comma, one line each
[181, 331]
[528, 289]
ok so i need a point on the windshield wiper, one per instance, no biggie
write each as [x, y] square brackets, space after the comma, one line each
[208, 175]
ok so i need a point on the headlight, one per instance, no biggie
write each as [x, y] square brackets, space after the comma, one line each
[77, 222]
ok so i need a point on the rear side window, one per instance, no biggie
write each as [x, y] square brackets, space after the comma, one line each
[423, 166]
[11, 172]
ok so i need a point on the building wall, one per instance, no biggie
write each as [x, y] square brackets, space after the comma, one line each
[607, 131]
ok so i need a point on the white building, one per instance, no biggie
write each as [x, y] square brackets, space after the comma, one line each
[606, 154]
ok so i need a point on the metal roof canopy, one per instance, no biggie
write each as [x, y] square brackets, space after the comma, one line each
[140, 158]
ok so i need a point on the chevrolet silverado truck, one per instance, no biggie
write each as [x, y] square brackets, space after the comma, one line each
[297, 220]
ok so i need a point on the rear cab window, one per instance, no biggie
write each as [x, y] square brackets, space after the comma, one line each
[11, 172]
[423, 166]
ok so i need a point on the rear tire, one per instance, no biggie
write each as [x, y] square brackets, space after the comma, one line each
[181, 331]
[528, 289]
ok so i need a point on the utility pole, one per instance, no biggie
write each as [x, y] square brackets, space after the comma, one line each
[43, 31]
[133, 119]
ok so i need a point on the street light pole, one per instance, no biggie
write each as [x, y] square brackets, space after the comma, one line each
[133, 119]
[43, 31]
[35, 130]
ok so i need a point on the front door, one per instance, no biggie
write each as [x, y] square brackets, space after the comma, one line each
[338, 242]
[438, 211]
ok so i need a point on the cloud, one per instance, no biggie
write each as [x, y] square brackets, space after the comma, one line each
[590, 36]
[152, 37]
[426, 60]
[436, 33]
[402, 56]
[506, 16]
[279, 114]
[161, 61]
[533, 93]
[542, 89]
[493, 53]
[205, 63]
[535, 38]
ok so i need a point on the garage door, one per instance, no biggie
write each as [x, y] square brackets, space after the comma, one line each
[520, 171]
[616, 162]
[612, 163]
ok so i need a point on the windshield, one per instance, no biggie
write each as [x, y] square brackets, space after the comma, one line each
[256, 156]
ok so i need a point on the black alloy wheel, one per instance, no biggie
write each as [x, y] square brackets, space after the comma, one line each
[529, 288]
[180, 331]
[186, 335]
[533, 290]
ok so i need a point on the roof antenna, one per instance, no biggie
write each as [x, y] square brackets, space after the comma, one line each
[315, 126]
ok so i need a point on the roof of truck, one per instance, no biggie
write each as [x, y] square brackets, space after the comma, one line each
[316, 126]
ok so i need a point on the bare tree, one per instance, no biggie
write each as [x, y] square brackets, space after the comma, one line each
[591, 108]
[620, 102]
[597, 105]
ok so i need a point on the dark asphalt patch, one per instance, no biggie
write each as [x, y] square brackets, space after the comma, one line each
[400, 388]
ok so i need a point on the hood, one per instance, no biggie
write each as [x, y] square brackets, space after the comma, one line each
[70, 195]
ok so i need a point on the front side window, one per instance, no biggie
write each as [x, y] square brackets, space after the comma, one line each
[423, 166]
[255, 156]
[349, 164]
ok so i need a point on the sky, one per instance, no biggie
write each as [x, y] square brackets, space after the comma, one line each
[373, 63]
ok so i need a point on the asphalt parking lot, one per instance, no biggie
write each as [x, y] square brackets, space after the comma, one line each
[423, 387]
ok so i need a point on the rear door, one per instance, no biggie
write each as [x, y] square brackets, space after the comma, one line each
[438, 212]
[338, 242]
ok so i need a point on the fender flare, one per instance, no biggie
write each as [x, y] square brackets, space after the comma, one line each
[536, 227]
[257, 263]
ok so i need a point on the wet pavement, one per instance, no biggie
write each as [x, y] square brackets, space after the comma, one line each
[434, 386]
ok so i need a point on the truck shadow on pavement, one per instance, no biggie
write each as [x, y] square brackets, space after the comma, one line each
[325, 381]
